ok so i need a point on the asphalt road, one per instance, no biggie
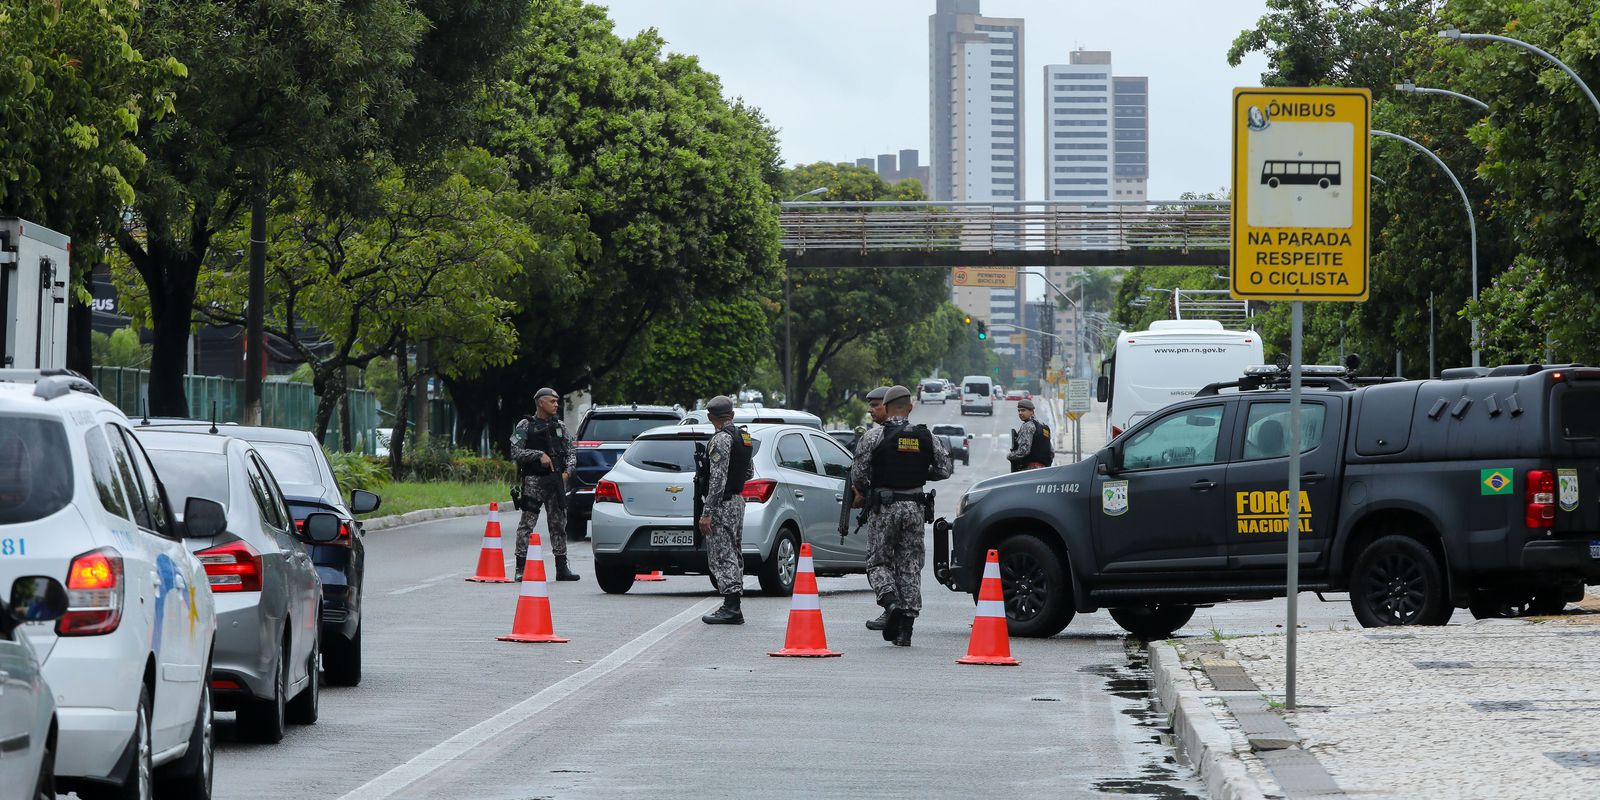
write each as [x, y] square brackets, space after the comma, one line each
[646, 701]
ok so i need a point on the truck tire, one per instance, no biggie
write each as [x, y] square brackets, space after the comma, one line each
[1397, 580]
[613, 578]
[1036, 585]
[1158, 621]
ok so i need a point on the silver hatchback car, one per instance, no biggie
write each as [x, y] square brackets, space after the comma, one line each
[644, 508]
[266, 588]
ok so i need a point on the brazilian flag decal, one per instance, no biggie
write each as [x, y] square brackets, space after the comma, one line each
[1495, 481]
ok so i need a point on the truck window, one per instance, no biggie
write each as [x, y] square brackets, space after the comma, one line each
[1183, 439]
[1266, 431]
[1580, 414]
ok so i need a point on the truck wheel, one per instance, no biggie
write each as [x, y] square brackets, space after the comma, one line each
[1037, 588]
[1150, 622]
[613, 578]
[1548, 603]
[1397, 580]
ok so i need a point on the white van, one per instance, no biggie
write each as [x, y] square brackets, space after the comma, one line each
[1167, 363]
[977, 395]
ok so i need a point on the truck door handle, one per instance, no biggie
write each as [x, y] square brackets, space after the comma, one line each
[1312, 477]
[1203, 485]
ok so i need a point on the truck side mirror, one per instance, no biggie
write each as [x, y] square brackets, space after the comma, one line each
[1102, 388]
[1106, 461]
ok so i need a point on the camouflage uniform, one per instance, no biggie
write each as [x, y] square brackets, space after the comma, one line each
[895, 547]
[543, 491]
[725, 543]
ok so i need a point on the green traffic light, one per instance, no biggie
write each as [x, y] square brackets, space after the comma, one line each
[982, 335]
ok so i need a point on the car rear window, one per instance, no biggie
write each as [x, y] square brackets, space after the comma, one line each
[187, 474]
[35, 469]
[667, 455]
[978, 388]
[621, 429]
[1580, 414]
[290, 463]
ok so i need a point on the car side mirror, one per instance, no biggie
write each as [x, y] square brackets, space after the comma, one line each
[36, 598]
[322, 527]
[1102, 388]
[203, 519]
[364, 502]
[1107, 459]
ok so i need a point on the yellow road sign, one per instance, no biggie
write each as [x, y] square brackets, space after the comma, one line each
[1073, 415]
[1301, 161]
[991, 278]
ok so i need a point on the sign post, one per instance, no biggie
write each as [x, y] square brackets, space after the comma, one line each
[1301, 166]
[991, 278]
[1077, 406]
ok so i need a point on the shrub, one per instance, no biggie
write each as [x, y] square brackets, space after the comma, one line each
[437, 461]
[355, 471]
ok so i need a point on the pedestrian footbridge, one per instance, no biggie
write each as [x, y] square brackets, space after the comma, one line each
[1005, 234]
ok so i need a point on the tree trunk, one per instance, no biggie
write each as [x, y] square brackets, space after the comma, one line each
[347, 433]
[80, 338]
[329, 386]
[169, 353]
[420, 391]
[397, 435]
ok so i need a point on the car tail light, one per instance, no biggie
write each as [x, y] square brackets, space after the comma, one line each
[225, 684]
[344, 533]
[590, 444]
[760, 491]
[607, 492]
[94, 594]
[1540, 509]
[232, 567]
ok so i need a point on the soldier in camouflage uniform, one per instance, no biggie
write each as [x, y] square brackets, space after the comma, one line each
[875, 407]
[892, 463]
[1030, 442]
[728, 457]
[545, 458]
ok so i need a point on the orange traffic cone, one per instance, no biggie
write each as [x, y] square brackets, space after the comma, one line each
[990, 643]
[652, 576]
[806, 637]
[532, 623]
[492, 558]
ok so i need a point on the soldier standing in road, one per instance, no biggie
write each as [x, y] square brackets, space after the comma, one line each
[892, 463]
[728, 458]
[1030, 442]
[879, 412]
[545, 458]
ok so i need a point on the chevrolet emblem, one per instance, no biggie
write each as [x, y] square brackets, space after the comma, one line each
[674, 489]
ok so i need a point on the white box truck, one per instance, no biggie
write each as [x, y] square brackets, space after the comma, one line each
[34, 275]
[1167, 363]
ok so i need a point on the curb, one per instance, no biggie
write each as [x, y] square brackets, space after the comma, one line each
[422, 515]
[1201, 740]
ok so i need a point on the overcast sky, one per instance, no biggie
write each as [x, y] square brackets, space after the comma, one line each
[842, 79]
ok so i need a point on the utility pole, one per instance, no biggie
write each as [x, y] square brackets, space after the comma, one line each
[255, 356]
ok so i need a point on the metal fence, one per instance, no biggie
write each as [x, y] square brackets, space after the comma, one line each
[284, 404]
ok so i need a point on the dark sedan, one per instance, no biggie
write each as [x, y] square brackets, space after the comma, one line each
[606, 431]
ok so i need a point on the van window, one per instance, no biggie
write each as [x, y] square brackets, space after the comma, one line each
[981, 389]
[104, 474]
[35, 469]
[1580, 414]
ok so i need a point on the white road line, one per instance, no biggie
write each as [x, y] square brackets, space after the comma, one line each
[447, 751]
[423, 584]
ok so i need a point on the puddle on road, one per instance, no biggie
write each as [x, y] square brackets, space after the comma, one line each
[1159, 775]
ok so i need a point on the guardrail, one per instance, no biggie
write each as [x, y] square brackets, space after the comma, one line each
[948, 233]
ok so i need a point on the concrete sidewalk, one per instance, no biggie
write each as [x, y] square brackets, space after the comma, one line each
[1478, 709]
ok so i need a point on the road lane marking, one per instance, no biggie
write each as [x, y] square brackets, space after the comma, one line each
[422, 585]
[446, 752]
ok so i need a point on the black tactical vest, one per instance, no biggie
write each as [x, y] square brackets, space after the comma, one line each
[542, 437]
[902, 459]
[1040, 451]
[741, 467]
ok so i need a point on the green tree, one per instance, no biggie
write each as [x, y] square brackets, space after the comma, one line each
[716, 349]
[316, 87]
[674, 181]
[120, 348]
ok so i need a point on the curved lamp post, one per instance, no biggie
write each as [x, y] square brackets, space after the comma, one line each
[1454, 34]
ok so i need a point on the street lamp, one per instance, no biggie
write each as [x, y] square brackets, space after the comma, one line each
[1472, 226]
[1454, 34]
[1411, 88]
[1077, 348]
[788, 318]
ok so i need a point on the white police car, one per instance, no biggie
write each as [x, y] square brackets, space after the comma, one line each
[128, 662]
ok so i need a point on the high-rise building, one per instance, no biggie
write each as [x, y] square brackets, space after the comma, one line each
[894, 168]
[976, 108]
[1131, 106]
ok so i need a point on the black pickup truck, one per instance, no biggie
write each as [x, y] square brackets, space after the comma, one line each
[1479, 490]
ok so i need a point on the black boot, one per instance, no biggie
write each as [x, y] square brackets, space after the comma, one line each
[562, 573]
[522, 561]
[902, 637]
[879, 623]
[891, 626]
[727, 615]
